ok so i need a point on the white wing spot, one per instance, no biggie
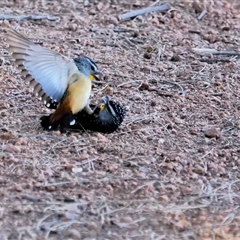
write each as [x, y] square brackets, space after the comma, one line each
[72, 122]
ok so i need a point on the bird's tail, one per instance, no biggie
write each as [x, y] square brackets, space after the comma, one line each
[65, 122]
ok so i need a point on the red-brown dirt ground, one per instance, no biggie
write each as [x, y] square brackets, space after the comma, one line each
[171, 171]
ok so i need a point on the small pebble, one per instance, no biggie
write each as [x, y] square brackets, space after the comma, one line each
[212, 133]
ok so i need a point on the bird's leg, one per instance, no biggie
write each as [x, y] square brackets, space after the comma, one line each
[99, 104]
[88, 109]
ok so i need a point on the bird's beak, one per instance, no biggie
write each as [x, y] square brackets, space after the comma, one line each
[97, 72]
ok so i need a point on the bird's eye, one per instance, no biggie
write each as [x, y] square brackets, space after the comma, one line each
[92, 68]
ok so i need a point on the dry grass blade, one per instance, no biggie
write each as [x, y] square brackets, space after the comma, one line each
[27, 17]
[135, 13]
[202, 14]
[204, 51]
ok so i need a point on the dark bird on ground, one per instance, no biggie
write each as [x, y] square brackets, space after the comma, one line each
[106, 118]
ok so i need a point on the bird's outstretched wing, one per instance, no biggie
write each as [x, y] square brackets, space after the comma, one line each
[47, 72]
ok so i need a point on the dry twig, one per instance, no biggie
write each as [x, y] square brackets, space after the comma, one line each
[135, 13]
[213, 61]
[27, 17]
[204, 51]
[159, 92]
[202, 14]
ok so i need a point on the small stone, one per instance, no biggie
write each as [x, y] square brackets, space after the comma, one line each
[153, 103]
[21, 141]
[113, 20]
[163, 198]
[175, 58]
[193, 131]
[73, 27]
[127, 219]
[225, 28]
[102, 138]
[74, 234]
[169, 166]
[5, 23]
[198, 6]
[153, 159]
[198, 169]
[154, 69]
[144, 86]
[161, 140]
[11, 148]
[182, 224]
[28, 209]
[57, 133]
[11, 158]
[186, 190]
[108, 91]
[112, 168]
[5, 113]
[4, 105]
[149, 48]
[31, 198]
[147, 55]
[86, 3]
[178, 120]
[73, 138]
[7, 136]
[17, 188]
[50, 188]
[93, 226]
[212, 133]
[69, 167]
[100, 6]
[143, 169]
[77, 170]
[83, 157]
[17, 209]
[100, 173]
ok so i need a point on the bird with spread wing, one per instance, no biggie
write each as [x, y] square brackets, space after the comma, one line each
[54, 78]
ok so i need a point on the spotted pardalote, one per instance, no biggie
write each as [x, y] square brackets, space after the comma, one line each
[107, 117]
[54, 78]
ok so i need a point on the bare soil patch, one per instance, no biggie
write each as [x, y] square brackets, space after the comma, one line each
[171, 171]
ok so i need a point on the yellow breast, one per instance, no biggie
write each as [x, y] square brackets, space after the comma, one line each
[78, 93]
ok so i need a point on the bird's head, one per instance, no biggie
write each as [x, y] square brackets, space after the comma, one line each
[88, 67]
[111, 110]
[106, 118]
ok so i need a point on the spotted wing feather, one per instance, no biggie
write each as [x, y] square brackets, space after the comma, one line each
[47, 71]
